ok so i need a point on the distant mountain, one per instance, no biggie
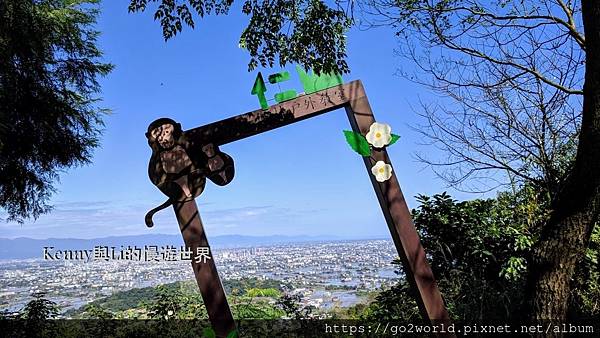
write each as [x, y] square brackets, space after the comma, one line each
[23, 248]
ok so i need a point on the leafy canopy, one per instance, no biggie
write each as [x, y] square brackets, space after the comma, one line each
[307, 32]
[49, 66]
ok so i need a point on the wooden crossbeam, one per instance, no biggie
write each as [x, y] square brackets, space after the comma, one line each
[260, 121]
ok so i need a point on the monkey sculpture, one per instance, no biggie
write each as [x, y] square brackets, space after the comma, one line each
[179, 167]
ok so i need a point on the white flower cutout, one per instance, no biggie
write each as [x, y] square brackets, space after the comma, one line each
[379, 135]
[170, 312]
[382, 171]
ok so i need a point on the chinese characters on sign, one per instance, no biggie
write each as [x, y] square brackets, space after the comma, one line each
[310, 104]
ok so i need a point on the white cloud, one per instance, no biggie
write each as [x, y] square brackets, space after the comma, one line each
[112, 218]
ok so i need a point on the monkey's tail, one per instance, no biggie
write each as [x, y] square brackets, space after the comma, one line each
[150, 214]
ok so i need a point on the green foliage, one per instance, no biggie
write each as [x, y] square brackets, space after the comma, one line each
[251, 309]
[209, 333]
[239, 286]
[39, 308]
[316, 40]
[96, 312]
[102, 327]
[394, 303]
[36, 315]
[174, 303]
[585, 296]
[290, 305]
[256, 292]
[249, 298]
[145, 302]
[49, 66]
[256, 303]
[477, 250]
[178, 301]
[120, 301]
[307, 32]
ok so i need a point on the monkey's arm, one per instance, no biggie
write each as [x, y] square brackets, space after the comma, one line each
[219, 166]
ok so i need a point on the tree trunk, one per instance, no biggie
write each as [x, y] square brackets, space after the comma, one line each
[566, 234]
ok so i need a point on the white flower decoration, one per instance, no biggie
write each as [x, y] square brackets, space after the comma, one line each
[170, 313]
[382, 171]
[379, 135]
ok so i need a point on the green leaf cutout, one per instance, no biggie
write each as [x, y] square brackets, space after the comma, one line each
[233, 334]
[209, 333]
[358, 142]
[394, 139]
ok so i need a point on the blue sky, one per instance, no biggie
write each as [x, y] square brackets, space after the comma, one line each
[299, 179]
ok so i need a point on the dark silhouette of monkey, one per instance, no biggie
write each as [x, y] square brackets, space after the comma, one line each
[179, 167]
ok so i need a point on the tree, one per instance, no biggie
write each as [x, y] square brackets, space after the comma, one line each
[49, 67]
[102, 327]
[94, 311]
[308, 32]
[39, 308]
[290, 303]
[168, 303]
[36, 314]
[525, 83]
